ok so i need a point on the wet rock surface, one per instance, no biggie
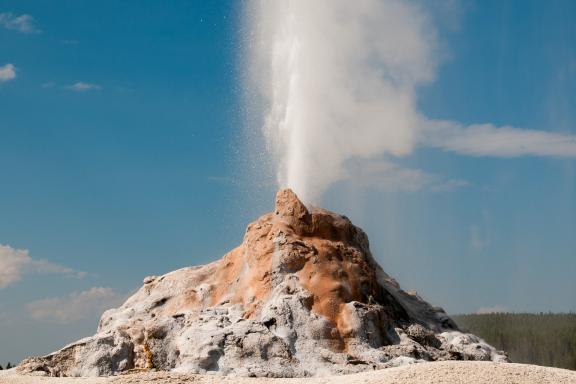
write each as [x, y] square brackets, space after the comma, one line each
[301, 296]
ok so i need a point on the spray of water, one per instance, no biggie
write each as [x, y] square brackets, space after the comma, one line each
[337, 80]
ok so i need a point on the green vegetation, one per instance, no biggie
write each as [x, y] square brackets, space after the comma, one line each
[542, 339]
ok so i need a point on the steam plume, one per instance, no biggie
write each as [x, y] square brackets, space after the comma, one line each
[337, 81]
[340, 79]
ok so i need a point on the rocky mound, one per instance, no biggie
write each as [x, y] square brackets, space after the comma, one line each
[301, 296]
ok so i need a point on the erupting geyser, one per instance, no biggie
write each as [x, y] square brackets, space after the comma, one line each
[336, 80]
[301, 296]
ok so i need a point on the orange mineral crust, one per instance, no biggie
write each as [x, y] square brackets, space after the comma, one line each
[328, 254]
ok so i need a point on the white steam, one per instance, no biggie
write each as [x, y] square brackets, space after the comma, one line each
[336, 84]
[340, 79]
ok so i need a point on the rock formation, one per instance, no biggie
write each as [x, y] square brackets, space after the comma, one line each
[301, 296]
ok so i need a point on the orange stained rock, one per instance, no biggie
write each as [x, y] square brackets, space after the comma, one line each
[328, 254]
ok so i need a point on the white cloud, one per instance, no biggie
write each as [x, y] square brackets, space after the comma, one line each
[76, 306]
[15, 263]
[489, 140]
[7, 73]
[83, 87]
[495, 309]
[21, 23]
[390, 177]
[12, 263]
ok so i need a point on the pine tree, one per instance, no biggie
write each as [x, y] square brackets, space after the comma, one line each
[8, 366]
[1, 367]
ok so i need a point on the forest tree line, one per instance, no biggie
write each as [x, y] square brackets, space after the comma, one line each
[543, 339]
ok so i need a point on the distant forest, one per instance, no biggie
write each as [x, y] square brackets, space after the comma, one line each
[542, 339]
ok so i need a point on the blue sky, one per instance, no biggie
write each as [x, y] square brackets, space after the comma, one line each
[122, 154]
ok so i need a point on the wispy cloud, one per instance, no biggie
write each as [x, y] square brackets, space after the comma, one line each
[472, 140]
[76, 306]
[390, 177]
[489, 140]
[449, 185]
[49, 84]
[495, 309]
[21, 23]
[7, 73]
[83, 87]
[15, 263]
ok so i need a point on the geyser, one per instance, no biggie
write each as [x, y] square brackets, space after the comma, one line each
[301, 296]
[338, 81]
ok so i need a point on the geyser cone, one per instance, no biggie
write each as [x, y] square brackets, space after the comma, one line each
[300, 296]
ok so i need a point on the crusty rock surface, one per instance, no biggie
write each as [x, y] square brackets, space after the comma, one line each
[301, 296]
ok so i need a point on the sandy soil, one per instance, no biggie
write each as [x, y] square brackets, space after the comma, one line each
[449, 372]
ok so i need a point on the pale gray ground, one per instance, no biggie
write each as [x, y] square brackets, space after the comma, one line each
[449, 372]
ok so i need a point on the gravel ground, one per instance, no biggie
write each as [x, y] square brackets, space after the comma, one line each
[449, 372]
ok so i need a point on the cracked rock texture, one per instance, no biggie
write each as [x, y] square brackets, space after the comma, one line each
[301, 296]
